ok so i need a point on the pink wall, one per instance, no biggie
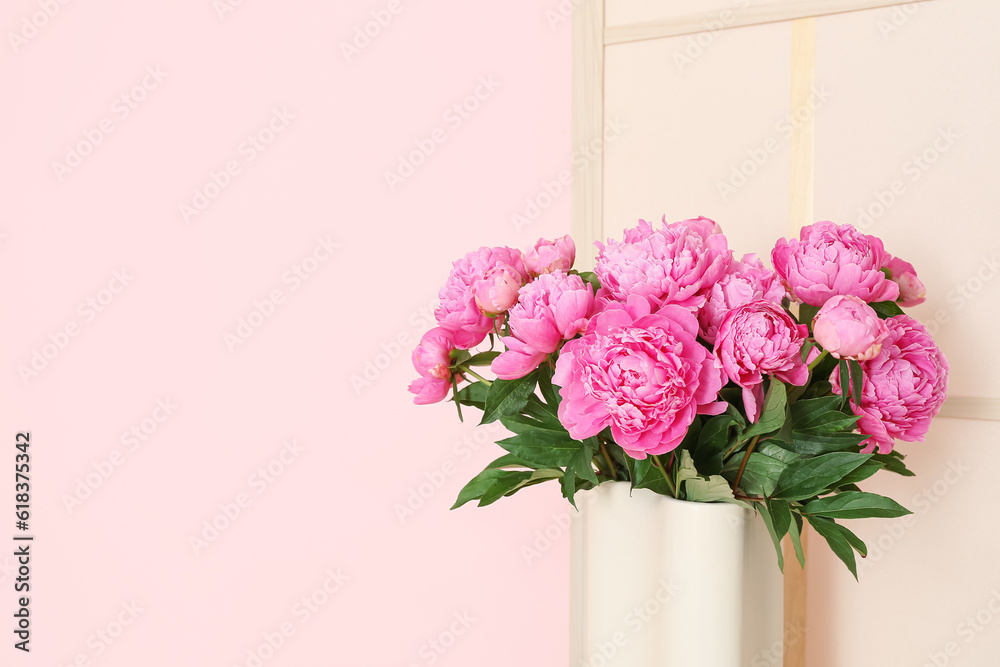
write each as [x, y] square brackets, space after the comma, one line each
[115, 578]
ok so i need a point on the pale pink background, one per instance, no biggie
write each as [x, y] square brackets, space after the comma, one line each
[162, 336]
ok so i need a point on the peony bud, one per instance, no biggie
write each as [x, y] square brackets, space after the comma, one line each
[848, 328]
[497, 291]
[911, 291]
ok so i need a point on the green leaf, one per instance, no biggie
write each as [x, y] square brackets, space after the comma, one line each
[480, 484]
[510, 461]
[853, 540]
[857, 381]
[529, 423]
[637, 469]
[482, 359]
[812, 445]
[543, 448]
[832, 421]
[773, 414]
[845, 382]
[582, 464]
[807, 313]
[685, 467]
[567, 484]
[764, 468]
[807, 477]
[886, 309]
[509, 488]
[645, 475]
[837, 540]
[549, 391]
[474, 395]
[541, 414]
[859, 474]
[591, 279]
[715, 489]
[716, 436]
[794, 533]
[806, 414]
[507, 397]
[781, 516]
[855, 505]
[509, 481]
[769, 522]
[893, 463]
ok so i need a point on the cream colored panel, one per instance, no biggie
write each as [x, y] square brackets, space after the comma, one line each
[621, 12]
[930, 587]
[692, 16]
[908, 148]
[706, 138]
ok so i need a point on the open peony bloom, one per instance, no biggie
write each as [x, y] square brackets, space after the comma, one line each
[828, 259]
[848, 328]
[911, 291]
[549, 256]
[676, 264]
[904, 387]
[552, 308]
[760, 338]
[459, 312]
[644, 375]
[747, 280]
[432, 359]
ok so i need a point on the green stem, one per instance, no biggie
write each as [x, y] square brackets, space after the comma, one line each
[815, 362]
[743, 465]
[663, 471]
[613, 472]
[476, 375]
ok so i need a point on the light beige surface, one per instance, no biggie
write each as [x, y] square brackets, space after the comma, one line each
[697, 137]
[891, 85]
[901, 82]
[931, 86]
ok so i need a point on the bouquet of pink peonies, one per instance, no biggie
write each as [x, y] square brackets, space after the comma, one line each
[683, 370]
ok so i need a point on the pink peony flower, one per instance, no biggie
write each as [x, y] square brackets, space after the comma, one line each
[848, 328]
[904, 386]
[459, 311]
[552, 308]
[497, 291]
[829, 259]
[549, 256]
[676, 264]
[432, 359]
[757, 338]
[911, 291]
[644, 375]
[747, 280]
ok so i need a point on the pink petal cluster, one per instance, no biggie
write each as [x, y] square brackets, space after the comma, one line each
[432, 359]
[760, 338]
[677, 264]
[497, 290]
[484, 272]
[549, 256]
[848, 328]
[644, 375]
[747, 280]
[552, 308]
[828, 259]
[911, 291]
[904, 387]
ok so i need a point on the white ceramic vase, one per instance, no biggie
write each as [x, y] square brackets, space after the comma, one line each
[659, 582]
